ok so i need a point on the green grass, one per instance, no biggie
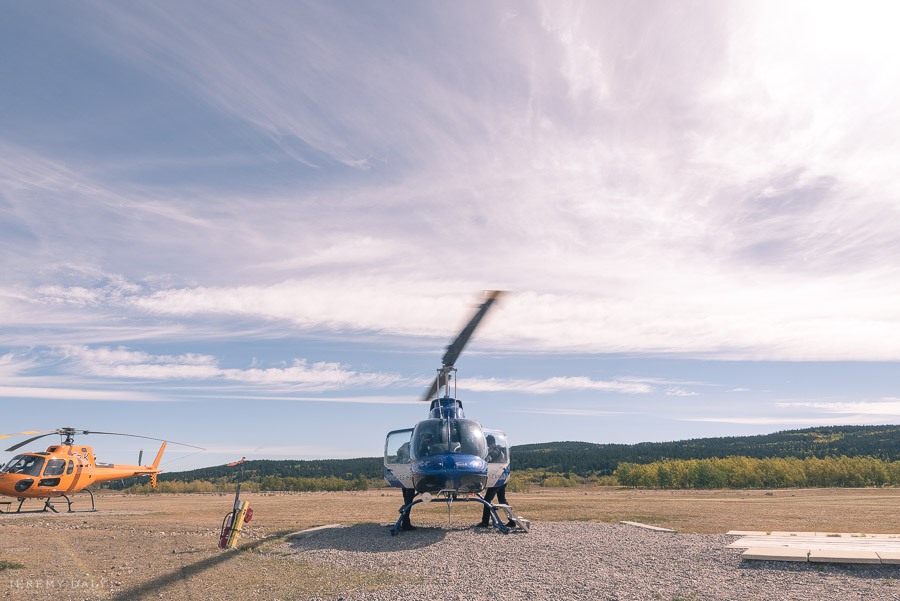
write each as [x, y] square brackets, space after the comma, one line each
[9, 565]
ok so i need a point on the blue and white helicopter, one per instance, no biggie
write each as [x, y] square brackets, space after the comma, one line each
[447, 457]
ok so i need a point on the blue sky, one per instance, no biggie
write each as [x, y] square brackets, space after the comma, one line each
[254, 227]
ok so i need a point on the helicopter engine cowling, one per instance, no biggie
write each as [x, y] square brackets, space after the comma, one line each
[449, 472]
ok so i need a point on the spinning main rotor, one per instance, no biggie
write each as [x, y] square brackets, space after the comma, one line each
[456, 347]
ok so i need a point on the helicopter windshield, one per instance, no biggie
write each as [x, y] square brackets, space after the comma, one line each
[435, 436]
[28, 465]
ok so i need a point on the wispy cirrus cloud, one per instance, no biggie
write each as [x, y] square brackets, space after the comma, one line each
[793, 327]
[882, 407]
[555, 385]
[121, 363]
[722, 202]
[787, 421]
[80, 394]
[677, 391]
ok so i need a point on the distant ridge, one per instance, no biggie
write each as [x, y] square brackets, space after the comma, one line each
[586, 458]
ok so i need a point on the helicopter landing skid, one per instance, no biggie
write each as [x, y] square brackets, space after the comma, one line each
[48, 504]
[450, 498]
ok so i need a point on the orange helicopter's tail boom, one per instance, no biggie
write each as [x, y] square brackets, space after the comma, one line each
[105, 472]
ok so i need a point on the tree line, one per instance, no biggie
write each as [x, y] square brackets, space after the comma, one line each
[694, 463]
[586, 459]
[773, 472]
[268, 483]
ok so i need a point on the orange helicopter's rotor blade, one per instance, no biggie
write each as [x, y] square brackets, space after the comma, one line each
[25, 432]
[27, 440]
[147, 437]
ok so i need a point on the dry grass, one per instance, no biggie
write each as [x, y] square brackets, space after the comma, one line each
[164, 546]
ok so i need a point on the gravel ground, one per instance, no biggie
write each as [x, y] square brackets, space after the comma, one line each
[577, 560]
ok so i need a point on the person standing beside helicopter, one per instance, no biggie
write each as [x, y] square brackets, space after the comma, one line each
[495, 454]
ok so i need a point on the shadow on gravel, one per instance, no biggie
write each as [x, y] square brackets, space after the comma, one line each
[871, 571]
[370, 538]
[151, 587]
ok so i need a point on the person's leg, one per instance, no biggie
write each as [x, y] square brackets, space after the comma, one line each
[501, 495]
[501, 499]
[486, 513]
[408, 495]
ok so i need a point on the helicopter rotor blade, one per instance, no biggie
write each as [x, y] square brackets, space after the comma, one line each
[433, 390]
[26, 441]
[456, 347]
[26, 432]
[139, 436]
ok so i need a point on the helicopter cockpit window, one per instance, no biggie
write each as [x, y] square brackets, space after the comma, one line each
[397, 447]
[71, 467]
[28, 465]
[435, 436]
[497, 448]
[55, 467]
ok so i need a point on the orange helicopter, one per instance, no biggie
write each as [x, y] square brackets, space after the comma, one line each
[66, 469]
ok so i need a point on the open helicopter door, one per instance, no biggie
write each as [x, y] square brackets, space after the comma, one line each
[497, 458]
[397, 466]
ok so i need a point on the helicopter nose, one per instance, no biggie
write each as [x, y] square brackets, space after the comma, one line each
[466, 473]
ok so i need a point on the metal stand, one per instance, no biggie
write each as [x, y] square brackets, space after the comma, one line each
[517, 519]
[450, 497]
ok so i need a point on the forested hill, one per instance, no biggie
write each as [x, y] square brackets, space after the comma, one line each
[256, 470]
[584, 458]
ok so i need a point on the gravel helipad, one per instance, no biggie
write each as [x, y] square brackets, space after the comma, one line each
[577, 560]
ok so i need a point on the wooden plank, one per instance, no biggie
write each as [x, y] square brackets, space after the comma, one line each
[839, 555]
[646, 526]
[818, 543]
[891, 557]
[775, 554]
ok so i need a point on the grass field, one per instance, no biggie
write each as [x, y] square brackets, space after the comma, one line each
[164, 546]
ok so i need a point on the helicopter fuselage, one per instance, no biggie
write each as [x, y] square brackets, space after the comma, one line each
[63, 469]
[446, 453]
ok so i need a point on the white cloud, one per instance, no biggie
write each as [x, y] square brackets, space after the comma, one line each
[122, 363]
[553, 385]
[676, 391]
[365, 400]
[573, 412]
[711, 182]
[786, 421]
[888, 407]
[78, 394]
